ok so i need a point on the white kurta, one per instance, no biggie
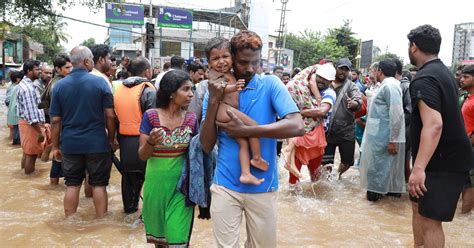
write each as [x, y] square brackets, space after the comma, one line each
[380, 171]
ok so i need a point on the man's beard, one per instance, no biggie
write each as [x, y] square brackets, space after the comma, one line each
[342, 78]
[322, 86]
[412, 59]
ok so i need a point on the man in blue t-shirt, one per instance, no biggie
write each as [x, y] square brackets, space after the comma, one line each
[78, 104]
[263, 99]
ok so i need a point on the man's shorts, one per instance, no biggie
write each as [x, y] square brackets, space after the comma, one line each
[443, 190]
[98, 167]
[346, 150]
[55, 169]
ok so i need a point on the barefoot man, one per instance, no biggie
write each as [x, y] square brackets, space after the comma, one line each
[78, 104]
[262, 99]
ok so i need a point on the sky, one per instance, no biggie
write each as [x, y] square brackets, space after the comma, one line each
[385, 23]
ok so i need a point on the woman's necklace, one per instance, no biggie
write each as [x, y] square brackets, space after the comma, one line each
[170, 122]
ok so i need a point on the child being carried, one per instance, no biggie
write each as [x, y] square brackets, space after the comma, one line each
[220, 64]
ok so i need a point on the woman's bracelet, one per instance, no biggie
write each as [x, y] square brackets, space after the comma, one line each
[149, 143]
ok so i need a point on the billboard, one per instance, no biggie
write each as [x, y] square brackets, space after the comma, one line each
[174, 18]
[366, 53]
[124, 13]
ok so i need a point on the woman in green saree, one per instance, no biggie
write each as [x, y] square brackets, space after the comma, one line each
[165, 135]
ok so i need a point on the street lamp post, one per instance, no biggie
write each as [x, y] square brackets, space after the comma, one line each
[358, 57]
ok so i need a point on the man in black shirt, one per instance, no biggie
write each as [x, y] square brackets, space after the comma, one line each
[440, 146]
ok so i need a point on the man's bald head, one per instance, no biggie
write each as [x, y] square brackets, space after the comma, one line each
[46, 73]
[81, 57]
[45, 66]
[139, 67]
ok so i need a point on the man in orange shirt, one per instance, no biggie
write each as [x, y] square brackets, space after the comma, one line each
[467, 84]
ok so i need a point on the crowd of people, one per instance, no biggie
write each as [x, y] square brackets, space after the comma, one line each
[210, 135]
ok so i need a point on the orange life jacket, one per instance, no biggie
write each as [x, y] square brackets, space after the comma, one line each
[128, 108]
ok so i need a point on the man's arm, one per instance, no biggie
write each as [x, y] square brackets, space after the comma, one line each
[110, 125]
[208, 134]
[288, 127]
[33, 115]
[55, 134]
[148, 99]
[429, 139]
[396, 117]
[314, 88]
[317, 112]
[355, 98]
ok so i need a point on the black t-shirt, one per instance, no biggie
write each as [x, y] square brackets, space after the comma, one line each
[436, 86]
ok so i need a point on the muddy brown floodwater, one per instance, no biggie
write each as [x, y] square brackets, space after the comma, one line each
[330, 213]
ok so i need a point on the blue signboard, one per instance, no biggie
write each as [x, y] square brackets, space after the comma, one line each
[124, 13]
[175, 18]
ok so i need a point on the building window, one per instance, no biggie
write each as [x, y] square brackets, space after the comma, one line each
[171, 48]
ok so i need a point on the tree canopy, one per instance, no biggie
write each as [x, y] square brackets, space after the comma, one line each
[387, 56]
[89, 42]
[345, 38]
[24, 12]
[38, 20]
[310, 46]
[50, 33]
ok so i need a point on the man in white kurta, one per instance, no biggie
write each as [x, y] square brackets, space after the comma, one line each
[383, 145]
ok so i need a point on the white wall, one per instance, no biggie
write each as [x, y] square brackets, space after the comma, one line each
[259, 21]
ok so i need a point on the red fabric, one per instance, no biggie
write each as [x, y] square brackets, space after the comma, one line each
[29, 138]
[363, 110]
[313, 167]
[311, 145]
[468, 114]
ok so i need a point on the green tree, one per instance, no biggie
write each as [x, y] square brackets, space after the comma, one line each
[375, 52]
[89, 42]
[304, 46]
[387, 56]
[32, 11]
[329, 48]
[345, 38]
[310, 46]
[49, 32]
[56, 26]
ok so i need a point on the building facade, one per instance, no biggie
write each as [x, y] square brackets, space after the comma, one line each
[463, 45]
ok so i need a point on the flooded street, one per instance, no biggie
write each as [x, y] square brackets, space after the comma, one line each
[330, 213]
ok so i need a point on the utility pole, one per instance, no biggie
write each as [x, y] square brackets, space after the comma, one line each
[281, 32]
[150, 19]
[3, 57]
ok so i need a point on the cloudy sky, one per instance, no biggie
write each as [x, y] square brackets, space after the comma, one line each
[386, 22]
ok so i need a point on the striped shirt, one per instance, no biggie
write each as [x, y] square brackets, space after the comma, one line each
[328, 96]
[28, 99]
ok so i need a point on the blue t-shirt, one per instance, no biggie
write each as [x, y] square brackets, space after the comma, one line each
[263, 99]
[80, 99]
[361, 86]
